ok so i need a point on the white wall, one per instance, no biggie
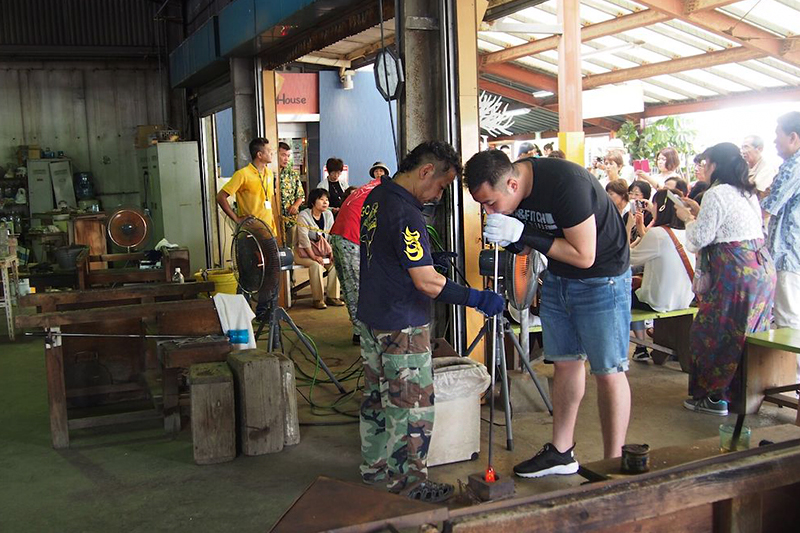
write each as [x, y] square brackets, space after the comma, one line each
[89, 110]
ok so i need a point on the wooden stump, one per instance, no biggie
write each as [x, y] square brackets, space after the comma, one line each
[259, 401]
[291, 427]
[213, 416]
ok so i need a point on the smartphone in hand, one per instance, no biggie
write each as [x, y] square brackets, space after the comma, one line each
[675, 198]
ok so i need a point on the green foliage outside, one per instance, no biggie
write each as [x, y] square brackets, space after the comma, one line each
[657, 135]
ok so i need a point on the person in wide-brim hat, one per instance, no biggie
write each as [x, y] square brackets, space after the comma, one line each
[378, 165]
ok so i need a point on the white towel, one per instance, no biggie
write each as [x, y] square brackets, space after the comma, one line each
[236, 319]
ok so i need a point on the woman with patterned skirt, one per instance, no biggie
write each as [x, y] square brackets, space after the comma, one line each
[727, 232]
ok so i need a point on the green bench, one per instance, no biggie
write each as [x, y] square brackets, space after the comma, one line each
[768, 364]
[670, 333]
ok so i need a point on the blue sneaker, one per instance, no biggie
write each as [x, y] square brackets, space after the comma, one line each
[707, 405]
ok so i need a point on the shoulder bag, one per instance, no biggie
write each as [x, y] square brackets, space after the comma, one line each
[682, 252]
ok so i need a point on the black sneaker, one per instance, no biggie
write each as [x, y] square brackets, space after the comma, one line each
[641, 355]
[707, 405]
[548, 461]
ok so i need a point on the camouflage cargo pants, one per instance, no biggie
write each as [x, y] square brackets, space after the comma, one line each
[347, 259]
[397, 410]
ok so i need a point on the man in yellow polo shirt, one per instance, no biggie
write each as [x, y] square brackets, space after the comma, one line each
[253, 186]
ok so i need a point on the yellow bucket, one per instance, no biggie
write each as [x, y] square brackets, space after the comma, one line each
[223, 279]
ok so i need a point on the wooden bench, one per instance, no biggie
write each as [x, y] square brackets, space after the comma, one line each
[768, 369]
[670, 333]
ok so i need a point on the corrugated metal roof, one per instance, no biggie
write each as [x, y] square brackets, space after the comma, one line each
[670, 39]
[72, 23]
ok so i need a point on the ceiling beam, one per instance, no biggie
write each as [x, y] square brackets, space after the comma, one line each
[500, 9]
[528, 100]
[592, 31]
[369, 48]
[710, 59]
[695, 6]
[588, 130]
[731, 28]
[723, 102]
[536, 80]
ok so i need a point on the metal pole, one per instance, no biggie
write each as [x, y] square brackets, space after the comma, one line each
[494, 355]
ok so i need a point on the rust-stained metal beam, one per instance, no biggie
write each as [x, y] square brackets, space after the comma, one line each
[733, 55]
[592, 31]
[529, 100]
[527, 77]
[695, 6]
[732, 28]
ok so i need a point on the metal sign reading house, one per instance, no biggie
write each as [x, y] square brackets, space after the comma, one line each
[296, 93]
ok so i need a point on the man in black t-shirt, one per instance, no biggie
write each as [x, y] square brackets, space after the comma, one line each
[397, 283]
[557, 208]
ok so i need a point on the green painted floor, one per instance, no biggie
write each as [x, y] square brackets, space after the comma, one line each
[133, 478]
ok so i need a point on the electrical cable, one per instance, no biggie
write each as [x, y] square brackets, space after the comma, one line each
[386, 80]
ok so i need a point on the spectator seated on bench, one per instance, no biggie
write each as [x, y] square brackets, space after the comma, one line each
[313, 250]
[666, 283]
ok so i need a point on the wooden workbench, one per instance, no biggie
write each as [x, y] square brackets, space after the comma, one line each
[167, 308]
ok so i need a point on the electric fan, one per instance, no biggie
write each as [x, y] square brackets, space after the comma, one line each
[129, 228]
[257, 265]
[256, 259]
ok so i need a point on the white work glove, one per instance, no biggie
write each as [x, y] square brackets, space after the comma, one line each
[502, 229]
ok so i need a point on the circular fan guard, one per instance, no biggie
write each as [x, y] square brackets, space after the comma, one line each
[255, 256]
[129, 228]
[521, 274]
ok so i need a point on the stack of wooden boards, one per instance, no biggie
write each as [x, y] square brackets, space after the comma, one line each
[247, 403]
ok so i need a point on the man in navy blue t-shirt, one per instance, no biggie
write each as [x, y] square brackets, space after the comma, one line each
[397, 283]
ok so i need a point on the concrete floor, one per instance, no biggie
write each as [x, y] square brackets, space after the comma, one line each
[134, 478]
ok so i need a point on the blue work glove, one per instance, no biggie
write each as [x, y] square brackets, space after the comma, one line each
[487, 302]
[502, 229]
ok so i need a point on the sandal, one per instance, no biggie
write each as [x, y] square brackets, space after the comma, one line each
[431, 492]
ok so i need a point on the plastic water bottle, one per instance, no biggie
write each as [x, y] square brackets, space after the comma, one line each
[177, 277]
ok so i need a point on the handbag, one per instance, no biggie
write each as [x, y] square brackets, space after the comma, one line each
[701, 283]
[321, 248]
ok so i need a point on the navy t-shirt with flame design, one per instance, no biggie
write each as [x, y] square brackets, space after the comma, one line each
[393, 239]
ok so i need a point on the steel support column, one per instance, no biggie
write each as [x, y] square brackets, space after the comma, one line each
[245, 124]
[421, 117]
[439, 74]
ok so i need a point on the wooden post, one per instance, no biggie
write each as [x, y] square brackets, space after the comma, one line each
[172, 410]
[469, 14]
[570, 95]
[259, 401]
[56, 390]
[213, 415]
[291, 424]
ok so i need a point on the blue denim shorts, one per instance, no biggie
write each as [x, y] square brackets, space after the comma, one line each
[587, 319]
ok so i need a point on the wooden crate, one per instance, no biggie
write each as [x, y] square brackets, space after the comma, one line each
[260, 405]
[213, 413]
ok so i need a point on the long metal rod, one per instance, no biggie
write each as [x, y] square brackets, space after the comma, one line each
[494, 356]
[108, 335]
